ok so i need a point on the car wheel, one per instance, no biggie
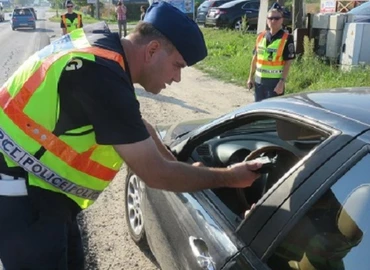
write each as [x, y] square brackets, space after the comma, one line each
[13, 28]
[133, 209]
[237, 24]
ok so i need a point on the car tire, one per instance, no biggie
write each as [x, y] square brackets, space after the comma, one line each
[14, 28]
[237, 24]
[133, 210]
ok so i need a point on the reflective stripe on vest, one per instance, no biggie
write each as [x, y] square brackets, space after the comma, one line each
[270, 63]
[90, 167]
[32, 165]
[72, 25]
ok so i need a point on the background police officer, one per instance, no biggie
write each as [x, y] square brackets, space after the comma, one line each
[70, 20]
[272, 58]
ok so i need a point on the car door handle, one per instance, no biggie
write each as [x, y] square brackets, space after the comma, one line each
[200, 252]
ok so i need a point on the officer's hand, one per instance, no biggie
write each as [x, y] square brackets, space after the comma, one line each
[198, 164]
[244, 174]
[279, 89]
[247, 211]
[250, 84]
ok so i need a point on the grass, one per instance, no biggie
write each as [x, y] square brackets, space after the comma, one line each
[230, 55]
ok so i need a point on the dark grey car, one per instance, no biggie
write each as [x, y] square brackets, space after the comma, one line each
[310, 211]
[205, 7]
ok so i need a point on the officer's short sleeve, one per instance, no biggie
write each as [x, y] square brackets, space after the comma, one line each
[108, 100]
[289, 49]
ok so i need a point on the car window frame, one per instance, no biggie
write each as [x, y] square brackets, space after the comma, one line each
[308, 193]
[253, 116]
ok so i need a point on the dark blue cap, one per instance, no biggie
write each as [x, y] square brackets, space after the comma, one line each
[277, 6]
[183, 32]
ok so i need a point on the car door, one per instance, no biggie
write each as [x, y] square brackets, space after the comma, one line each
[323, 224]
[189, 230]
[195, 230]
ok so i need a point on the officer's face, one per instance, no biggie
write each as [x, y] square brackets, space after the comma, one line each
[164, 68]
[274, 20]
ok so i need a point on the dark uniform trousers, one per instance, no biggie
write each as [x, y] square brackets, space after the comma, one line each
[40, 231]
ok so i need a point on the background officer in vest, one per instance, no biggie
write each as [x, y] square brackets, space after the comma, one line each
[70, 20]
[69, 117]
[272, 58]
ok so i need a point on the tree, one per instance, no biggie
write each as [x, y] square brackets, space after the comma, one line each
[23, 2]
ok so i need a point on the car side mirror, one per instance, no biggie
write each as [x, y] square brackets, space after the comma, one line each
[10, 15]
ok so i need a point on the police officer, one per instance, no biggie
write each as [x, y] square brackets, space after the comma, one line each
[69, 117]
[70, 20]
[272, 58]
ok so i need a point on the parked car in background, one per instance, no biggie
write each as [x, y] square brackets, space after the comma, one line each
[23, 18]
[230, 15]
[361, 13]
[203, 9]
[310, 211]
[2, 15]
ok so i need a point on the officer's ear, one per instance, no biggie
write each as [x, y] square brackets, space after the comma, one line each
[152, 48]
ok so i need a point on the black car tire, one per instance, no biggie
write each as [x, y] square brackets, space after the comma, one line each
[13, 28]
[236, 22]
[133, 213]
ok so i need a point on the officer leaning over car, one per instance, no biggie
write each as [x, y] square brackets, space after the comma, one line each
[273, 55]
[70, 20]
[69, 118]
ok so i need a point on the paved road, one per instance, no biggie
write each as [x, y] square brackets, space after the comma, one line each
[17, 46]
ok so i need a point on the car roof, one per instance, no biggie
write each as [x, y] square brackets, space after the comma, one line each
[351, 103]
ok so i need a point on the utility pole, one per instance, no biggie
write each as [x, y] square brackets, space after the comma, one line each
[297, 14]
[97, 10]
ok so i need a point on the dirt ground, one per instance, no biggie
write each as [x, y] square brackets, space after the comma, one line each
[108, 244]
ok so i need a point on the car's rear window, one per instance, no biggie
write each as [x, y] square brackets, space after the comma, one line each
[232, 3]
[219, 3]
[22, 12]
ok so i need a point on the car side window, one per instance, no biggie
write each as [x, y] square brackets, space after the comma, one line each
[334, 233]
[255, 6]
[284, 142]
[246, 6]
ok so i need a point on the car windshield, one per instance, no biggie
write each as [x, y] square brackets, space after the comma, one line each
[266, 125]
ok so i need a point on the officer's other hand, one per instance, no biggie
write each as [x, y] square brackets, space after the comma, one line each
[279, 89]
[244, 173]
[250, 84]
[198, 164]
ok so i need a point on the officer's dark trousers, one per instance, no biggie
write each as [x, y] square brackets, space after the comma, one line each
[39, 231]
[265, 90]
